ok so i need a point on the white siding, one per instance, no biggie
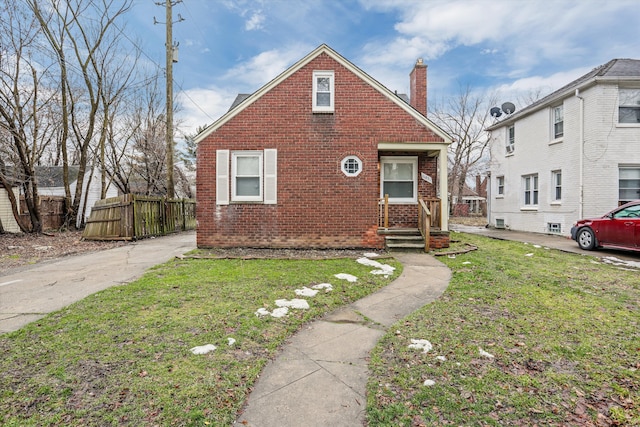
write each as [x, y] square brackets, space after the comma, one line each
[6, 214]
[606, 146]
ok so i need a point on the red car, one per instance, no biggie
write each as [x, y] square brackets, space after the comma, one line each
[619, 229]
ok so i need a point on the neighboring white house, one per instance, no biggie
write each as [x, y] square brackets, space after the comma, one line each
[575, 153]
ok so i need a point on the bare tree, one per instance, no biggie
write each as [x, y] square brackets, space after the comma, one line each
[465, 117]
[86, 41]
[27, 98]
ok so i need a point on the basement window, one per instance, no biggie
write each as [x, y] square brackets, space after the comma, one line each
[554, 227]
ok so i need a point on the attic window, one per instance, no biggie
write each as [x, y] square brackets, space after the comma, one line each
[323, 93]
[351, 166]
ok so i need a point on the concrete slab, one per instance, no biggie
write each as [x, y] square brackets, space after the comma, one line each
[320, 377]
[28, 294]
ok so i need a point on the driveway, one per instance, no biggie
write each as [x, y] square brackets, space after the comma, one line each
[30, 294]
[548, 240]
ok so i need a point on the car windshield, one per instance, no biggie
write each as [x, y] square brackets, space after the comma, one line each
[629, 212]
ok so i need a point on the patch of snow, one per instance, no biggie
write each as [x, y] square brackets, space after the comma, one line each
[231, 341]
[280, 312]
[429, 383]
[441, 358]
[306, 292]
[423, 345]
[383, 269]
[370, 254]
[537, 246]
[451, 256]
[529, 254]
[369, 262]
[203, 349]
[347, 277]
[466, 262]
[617, 261]
[301, 304]
[485, 354]
[262, 312]
[326, 286]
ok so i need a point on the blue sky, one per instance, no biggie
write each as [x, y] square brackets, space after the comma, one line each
[509, 47]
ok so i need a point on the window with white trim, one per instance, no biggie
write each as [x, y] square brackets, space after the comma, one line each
[628, 183]
[351, 166]
[511, 139]
[629, 106]
[530, 190]
[556, 186]
[500, 185]
[323, 91]
[399, 179]
[558, 122]
[246, 176]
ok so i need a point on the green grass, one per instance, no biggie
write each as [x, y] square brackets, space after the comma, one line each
[563, 330]
[121, 356]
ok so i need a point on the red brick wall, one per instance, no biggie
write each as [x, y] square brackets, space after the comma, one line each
[318, 206]
[418, 87]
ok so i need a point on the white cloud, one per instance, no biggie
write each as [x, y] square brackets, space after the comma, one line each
[265, 66]
[200, 106]
[520, 36]
[255, 22]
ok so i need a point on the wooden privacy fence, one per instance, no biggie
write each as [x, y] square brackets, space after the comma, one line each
[131, 217]
[52, 210]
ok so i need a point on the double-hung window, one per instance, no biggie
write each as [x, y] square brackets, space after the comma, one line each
[246, 172]
[629, 183]
[323, 91]
[530, 188]
[556, 186]
[558, 122]
[500, 185]
[511, 139]
[246, 176]
[629, 106]
[399, 179]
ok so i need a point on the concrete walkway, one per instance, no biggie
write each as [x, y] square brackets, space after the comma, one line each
[27, 295]
[319, 378]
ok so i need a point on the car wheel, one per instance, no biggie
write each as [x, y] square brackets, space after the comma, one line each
[586, 239]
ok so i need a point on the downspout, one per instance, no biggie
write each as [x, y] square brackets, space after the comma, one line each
[581, 154]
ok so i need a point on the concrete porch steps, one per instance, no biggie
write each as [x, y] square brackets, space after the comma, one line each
[402, 239]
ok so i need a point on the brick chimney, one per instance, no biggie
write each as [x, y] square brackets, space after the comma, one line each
[418, 87]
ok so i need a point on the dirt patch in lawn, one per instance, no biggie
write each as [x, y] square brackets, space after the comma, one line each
[20, 250]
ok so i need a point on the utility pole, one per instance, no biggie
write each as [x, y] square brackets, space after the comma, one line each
[171, 57]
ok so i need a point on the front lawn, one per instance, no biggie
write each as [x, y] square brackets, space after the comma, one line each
[523, 336]
[122, 357]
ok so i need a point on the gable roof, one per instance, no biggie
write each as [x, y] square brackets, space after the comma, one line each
[52, 176]
[241, 102]
[616, 70]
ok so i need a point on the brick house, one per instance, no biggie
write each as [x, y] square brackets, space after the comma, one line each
[305, 161]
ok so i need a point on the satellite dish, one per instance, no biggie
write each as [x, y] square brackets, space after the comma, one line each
[495, 112]
[508, 107]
